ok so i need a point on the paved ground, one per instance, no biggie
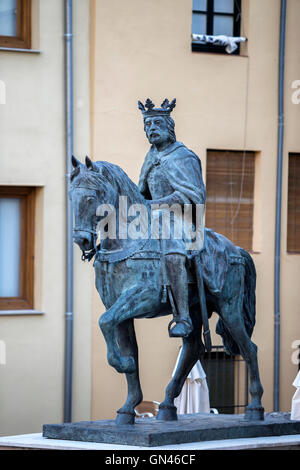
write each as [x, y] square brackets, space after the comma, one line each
[37, 441]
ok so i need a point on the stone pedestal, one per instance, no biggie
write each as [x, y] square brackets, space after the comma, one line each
[151, 432]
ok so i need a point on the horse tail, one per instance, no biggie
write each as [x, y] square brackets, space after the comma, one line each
[249, 306]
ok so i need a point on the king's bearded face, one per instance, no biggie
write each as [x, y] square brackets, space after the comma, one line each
[156, 130]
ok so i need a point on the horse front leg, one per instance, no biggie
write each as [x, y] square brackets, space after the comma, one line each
[122, 352]
[191, 350]
[233, 316]
[132, 303]
[126, 340]
[188, 358]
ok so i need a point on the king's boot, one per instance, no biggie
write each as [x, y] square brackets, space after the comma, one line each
[177, 276]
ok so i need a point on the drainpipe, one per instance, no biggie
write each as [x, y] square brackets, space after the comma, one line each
[278, 204]
[69, 214]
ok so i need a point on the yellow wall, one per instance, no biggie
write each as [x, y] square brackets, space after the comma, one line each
[32, 138]
[290, 273]
[140, 50]
[125, 51]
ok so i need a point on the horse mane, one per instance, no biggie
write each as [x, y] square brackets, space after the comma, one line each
[103, 172]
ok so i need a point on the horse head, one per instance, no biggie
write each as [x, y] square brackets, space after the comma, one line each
[90, 187]
[96, 189]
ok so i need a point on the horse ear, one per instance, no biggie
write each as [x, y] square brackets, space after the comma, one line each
[90, 164]
[75, 162]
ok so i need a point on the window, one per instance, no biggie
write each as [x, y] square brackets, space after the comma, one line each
[227, 380]
[15, 24]
[293, 229]
[230, 190]
[16, 247]
[215, 17]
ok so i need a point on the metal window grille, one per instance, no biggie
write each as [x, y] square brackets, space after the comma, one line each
[227, 379]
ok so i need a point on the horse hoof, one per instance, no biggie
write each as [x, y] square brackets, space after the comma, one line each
[124, 417]
[167, 413]
[254, 414]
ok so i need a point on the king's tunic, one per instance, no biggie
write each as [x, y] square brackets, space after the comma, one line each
[174, 176]
[181, 170]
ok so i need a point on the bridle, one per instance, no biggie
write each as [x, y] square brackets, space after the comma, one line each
[88, 255]
[93, 232]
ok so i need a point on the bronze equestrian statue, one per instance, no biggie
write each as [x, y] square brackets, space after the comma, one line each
[172, 174]
[143, 276]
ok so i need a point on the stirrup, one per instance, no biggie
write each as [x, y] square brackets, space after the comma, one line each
[184, 322]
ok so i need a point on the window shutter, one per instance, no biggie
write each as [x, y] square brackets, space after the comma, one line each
[230, 189]
[293, 231]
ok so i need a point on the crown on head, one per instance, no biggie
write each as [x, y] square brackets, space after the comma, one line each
[148, 109]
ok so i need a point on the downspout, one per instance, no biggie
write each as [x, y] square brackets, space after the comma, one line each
[278, 205]
[69, 213]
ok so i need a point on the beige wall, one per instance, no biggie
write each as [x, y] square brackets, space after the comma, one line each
[223, 102]
[33, 153]
[290, 274]
[83, 272]
[125, 51]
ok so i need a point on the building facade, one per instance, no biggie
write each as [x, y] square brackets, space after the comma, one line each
[227, 113]
[32, 127]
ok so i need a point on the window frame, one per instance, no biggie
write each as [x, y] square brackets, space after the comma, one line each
[26, 298]
[23, 38]
[210, 13]
[291, 239]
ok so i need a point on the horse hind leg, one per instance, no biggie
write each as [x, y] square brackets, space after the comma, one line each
[232, 315]
[254, 411]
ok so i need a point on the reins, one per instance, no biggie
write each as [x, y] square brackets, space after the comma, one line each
[88, 255]
[106, 255]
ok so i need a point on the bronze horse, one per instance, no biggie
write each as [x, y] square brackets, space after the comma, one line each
[129, 282]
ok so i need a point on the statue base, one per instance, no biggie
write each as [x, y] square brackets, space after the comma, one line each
[151, 432]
